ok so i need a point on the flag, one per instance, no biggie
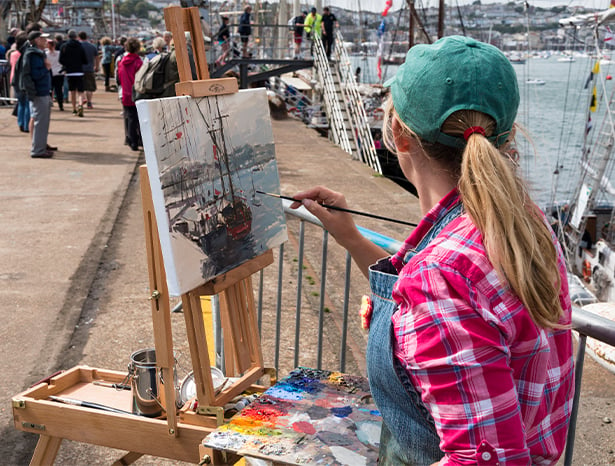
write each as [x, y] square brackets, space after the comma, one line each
[379, 54]
[608, 35]
[594, 102]
[612, 5]
[389, 3]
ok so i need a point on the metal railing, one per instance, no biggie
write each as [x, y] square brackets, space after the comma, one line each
[314, 329]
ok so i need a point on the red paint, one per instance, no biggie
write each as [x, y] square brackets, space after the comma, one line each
[264, 412]
[179, 134]
[323, 403]
[304, 427]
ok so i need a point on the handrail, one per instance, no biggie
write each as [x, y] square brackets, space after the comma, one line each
[390, 245]
[594, 326]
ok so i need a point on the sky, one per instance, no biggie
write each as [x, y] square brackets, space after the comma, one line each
[378, 5]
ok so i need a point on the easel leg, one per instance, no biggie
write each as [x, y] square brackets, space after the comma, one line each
[127, 459]
[46, 450]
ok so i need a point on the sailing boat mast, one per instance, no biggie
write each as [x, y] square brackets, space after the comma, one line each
[441, 19]
[414, 17]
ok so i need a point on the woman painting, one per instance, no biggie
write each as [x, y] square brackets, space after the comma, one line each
[470, 349]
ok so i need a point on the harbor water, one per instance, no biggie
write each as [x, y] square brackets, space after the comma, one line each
[552, 114]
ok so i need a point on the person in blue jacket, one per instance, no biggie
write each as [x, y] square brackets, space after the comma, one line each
[245, 29]
[35, 82]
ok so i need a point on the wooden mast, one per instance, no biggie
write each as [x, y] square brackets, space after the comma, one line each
[441, 19]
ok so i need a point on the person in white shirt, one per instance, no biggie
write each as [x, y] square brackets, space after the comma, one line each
[57, 74]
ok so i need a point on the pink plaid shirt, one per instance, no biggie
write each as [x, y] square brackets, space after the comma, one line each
[498, 386]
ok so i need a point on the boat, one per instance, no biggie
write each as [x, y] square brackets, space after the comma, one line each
[537, 82]
[216, 218]
[585, 221]
[516, 58]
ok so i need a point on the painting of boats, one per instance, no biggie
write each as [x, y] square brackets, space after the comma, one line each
[206, 159]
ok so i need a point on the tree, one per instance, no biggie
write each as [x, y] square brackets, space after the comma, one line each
[35, 11]
[141, 9]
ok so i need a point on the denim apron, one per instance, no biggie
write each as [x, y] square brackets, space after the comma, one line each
[408, 435]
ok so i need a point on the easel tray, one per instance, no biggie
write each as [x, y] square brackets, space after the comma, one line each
[35, 412]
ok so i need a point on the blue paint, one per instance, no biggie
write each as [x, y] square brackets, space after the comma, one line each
[343, 411]
[281, 391]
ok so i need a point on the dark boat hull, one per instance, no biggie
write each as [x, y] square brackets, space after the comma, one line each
[392, 170]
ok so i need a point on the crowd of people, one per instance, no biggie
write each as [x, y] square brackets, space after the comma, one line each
[63, 69]
[314, 25]
[309, 25]
[44, 69]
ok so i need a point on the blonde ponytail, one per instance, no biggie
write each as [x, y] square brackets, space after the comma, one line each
[515, 235]
[516, 238]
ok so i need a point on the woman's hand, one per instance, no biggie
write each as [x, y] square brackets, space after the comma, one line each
[339, 224]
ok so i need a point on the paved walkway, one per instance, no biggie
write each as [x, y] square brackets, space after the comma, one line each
[73, 275]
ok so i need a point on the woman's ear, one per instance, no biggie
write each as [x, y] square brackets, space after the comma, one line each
[402, 143]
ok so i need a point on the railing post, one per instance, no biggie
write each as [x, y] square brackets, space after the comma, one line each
[323, 279]
[299, 290]
[578, 374]
[278, 315]
[345, 313]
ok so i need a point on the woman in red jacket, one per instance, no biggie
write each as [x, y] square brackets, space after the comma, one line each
[126, 71]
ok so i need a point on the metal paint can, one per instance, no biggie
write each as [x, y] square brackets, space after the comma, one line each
[147, 383]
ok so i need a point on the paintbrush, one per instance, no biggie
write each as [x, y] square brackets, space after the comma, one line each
[87, 404]
[341, 209]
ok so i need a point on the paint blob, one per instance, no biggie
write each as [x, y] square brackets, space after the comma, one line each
[304, 427]
[342, 411]
[348, 457]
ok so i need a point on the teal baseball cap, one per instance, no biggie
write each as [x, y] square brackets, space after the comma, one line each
[454, 73]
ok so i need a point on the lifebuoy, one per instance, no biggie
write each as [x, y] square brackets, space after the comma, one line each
[587, 271]
[378, 114]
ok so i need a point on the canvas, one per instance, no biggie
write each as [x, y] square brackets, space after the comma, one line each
[206, 158]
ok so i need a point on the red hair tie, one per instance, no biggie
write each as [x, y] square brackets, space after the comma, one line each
[473, 129]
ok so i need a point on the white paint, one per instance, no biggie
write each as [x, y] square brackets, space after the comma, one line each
[348, 457]
[369, 432]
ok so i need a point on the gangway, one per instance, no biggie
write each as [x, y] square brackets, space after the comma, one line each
[338, 129]
[349, 127]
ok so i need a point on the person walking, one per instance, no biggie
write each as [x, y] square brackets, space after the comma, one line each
[127, 69]
[329, 22]
[470, 351]
[23, 106]
[298, 26]
[313, 27]
[73, 58]
[168, 39]
[106, 61]
[90, 68]
[35, 82]
[224, 40]
[244, 30]
[57, 75]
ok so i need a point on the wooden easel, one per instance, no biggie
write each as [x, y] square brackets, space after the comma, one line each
[179, 436]
[243, 354]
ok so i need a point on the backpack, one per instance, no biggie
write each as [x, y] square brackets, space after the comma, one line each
[150, 79]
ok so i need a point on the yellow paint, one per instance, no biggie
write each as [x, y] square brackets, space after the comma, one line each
[336, 378]
[209, 328]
